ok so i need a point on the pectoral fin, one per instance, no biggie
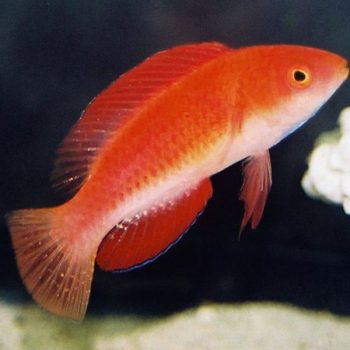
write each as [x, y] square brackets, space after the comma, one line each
[256, 185]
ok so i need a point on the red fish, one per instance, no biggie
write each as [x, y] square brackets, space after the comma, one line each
[140, 157]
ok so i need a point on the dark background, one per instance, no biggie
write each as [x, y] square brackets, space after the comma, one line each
[55, 56]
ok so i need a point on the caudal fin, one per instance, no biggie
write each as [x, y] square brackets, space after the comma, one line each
[56, 272]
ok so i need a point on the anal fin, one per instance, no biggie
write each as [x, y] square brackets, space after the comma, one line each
[142, 239]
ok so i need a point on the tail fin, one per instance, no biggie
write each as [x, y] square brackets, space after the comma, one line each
[57, 273]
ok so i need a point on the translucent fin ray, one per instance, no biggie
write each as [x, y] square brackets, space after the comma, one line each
[57, 275]
[255, 189]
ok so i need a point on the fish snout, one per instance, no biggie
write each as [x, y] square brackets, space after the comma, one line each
[344, 69]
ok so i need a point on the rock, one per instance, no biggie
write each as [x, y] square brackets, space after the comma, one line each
[246, 326]
[328, 174]
[10, 333]
[211, 326]
[321, 180]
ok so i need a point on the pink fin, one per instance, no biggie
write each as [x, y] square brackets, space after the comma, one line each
[58, 276]
[256, 185]
[119, 102]
[143, 238]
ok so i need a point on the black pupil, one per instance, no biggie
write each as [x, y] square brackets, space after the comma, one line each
[299, 75]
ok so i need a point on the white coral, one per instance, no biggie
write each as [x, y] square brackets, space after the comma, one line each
[328, 175]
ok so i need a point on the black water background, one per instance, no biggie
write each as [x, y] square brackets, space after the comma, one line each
[55, 56]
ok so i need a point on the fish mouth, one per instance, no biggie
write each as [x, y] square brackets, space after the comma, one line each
[344, 71]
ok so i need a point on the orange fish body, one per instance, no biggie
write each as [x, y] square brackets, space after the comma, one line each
[140, 158]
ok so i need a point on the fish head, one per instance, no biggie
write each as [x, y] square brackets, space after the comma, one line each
[287, 84]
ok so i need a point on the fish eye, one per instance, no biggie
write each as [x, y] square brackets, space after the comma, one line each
[300, 77]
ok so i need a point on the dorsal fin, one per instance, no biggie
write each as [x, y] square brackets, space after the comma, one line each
[119, 102]
[139, 240]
